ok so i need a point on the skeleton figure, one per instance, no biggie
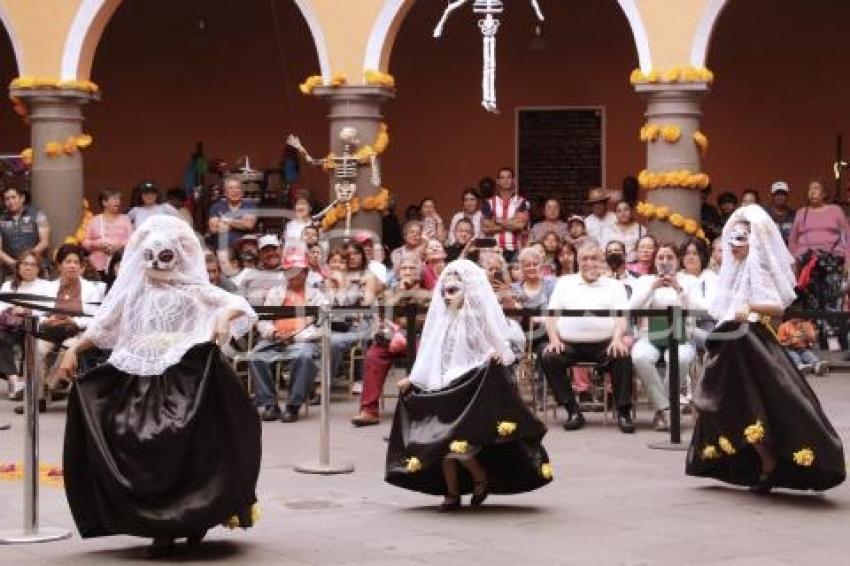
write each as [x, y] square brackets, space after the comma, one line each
[489, 26]
[345, 168]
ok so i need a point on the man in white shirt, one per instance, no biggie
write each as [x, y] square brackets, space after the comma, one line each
[589, 338]
[600, 218]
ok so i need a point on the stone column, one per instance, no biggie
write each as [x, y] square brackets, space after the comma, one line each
[674, 105]
[358, 107]
[56, 183]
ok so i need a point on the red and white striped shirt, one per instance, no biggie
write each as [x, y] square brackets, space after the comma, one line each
[501, 208]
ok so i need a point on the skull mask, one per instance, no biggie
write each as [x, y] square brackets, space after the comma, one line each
[159, 257]
[453, 292]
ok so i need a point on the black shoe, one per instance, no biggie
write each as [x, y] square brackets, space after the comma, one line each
[624, 421]
[42, 407]
[289, 416]
[271, 413]
[574, 422]
[764, 484]
[195, 539]
[450, 503]
[480, 493]
[160, 548]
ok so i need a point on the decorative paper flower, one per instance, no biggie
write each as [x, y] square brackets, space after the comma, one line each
[754, 433]
[69, 147]
[255, 513]
[413, 464]
[671, 134]
[310, 83]
[506, 428]
[672, 75]
[662, 212]
[706, 75]
[710, 452]
[676, 220]
[546, 471]
[43, 82]
[649, 133]
[232, 522]
[702, 141]
[637, 77]
[691, 227]
[804, 457]
[53, 148]
[382, 140]
[726, 446]
[653, 77]
[26, 156]
[84, 140]
[377, 78]
[459, 447]
[338, 79]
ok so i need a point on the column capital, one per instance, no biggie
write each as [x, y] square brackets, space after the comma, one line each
[685, 90]
[54, 96]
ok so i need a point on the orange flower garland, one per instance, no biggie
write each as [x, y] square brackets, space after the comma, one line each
[681, 75]
[69, 146]
[681, 178]
[378, 202]
[651, 132]
[26, 83]
[688, 225]
[377, 78]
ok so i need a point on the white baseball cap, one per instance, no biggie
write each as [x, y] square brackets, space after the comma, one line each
[268, 240]
[779, 186]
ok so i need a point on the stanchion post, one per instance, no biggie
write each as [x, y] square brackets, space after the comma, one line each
[675, 325]
[31, 531]
[324, 465]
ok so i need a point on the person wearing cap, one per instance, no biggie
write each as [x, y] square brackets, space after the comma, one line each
[149, 203]
[576, 230]
[779, 211]
[504, 216]
[255, 283]
[295, 339]
[600, 218]
[232, 217]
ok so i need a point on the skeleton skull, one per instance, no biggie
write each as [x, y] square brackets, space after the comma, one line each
[349, 135]
[159, 256]
[345, 191]
[452, 292]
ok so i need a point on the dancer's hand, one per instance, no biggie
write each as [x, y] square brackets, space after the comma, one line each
[221, 332]
[555, 346]
[404, 385]
[67, 370]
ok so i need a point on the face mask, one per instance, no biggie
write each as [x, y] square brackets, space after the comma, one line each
[615, 261]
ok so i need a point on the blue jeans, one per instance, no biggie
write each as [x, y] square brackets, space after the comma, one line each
[802, 357]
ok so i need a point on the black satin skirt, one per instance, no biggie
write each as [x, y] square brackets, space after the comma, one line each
[479, 415]
[169, 455]
[752, 393]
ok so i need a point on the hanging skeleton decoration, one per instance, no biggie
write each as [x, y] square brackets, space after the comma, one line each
[345, 168]
[489, 26]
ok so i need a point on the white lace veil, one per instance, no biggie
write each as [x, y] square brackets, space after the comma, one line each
[151, 317]
[455, 341]
[765, 277]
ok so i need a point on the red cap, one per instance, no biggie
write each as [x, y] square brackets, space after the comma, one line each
[294, 260]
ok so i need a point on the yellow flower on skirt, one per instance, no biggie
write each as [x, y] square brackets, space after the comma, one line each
[710, 453]
[459, 447]
[413, 464]
[754, 433]
[804, 457]
[505, 428]
[726, 446]
[546, 471]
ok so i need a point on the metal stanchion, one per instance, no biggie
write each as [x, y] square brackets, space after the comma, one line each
[31, 532]
[324, 465]
[674, 319]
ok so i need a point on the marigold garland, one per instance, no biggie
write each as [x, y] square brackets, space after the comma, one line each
[366, 152]
[379, 202]
[27, 83]
[688, 225]
[702, 142]
[68, 147]
[26, 156]
[674, 75]
[651, 132]
[681, 178]
[377, 78]
[804, 457]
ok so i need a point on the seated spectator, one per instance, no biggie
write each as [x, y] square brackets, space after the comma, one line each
[644, 263]
[551, 244]
[24, 280]
[551, 222]
[315, 278]
[176, 197]
[589, 338]
[310, 235]
[600, 218]
[413, 244]
[577, 231]
[433, 264]
[749, 196]
[389, 342]
[462, 235]
[497, 274]
[716, 255]
[374, 258]
[23, 227]
[669, 288]
[567, 260]
[799, 337]
[471, 211]
[295, 339]
[615, 265]
[432, 223]
[107, 232]
[255, 283]
[515, 274]
[626, 230]
[727, 202]
[534, 291]
[232, 217]
[150, 203]
[695, 258]
[217, 278]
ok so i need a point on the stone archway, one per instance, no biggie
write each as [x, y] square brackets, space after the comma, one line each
[93, 15]
[6, 24]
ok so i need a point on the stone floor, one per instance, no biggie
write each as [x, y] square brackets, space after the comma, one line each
[614, 502]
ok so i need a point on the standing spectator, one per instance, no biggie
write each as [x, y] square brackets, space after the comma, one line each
[412, 213]
[433, 264]
[779, 211]
[232, 217]
[577, 230]
[589, 338]
[716, 255]
[644, 263]
[727, 202]
[567, 260]
[551, 244]
[626, 230]
[551, 222]
[413, 244]
[149, 204]
[798, 337]
[462, 234]
[107, 232]
[371, 248]
[432, 223]
[315, 278]
[630, 190]
[709, 215]
[486, 188]
[505, 215]
[176, 197]
[294, 231]
[390, 226]
[600, 218]
[471, 210]
[22, 227]
[217, 278]
[254, 284]
[749, 196]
